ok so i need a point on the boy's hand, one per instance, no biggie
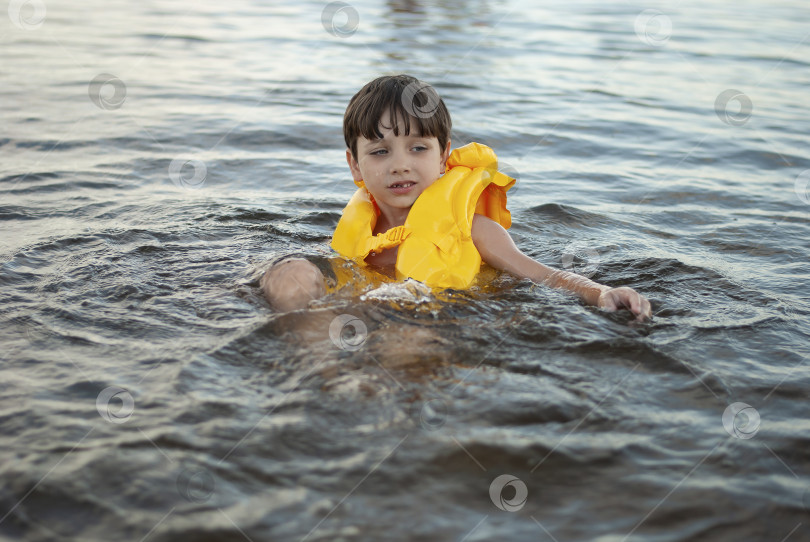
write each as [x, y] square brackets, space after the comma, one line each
[498, 249]
[612, 299]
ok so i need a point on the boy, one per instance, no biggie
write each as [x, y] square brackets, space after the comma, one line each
[408, 217]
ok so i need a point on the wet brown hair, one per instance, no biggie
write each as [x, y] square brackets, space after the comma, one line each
[402, 97]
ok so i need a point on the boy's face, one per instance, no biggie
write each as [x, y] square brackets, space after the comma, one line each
[397, 169]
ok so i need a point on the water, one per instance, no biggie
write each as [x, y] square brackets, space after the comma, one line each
[147, 392]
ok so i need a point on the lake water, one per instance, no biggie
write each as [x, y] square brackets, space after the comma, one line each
[154, 156]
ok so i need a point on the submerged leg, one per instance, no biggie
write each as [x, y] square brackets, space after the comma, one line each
[291, 284]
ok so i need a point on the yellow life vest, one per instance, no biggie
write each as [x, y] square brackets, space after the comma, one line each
[435, 243]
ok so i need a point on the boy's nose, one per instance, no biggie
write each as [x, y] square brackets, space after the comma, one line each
[400, 165]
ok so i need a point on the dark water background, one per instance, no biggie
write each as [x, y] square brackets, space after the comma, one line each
[154, 156]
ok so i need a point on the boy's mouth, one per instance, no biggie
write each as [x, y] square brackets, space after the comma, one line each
[401, 187]
[402, 184]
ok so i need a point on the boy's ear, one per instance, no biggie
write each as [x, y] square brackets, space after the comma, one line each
[445, 156]
[354, 166]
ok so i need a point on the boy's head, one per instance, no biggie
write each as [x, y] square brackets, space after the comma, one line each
[397, 131]
[413, 105]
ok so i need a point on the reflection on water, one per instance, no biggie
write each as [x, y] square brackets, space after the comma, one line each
[156, 158]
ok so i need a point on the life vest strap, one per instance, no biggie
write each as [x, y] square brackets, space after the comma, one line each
[388, 239]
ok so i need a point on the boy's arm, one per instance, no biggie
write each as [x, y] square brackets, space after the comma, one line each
[498, 250]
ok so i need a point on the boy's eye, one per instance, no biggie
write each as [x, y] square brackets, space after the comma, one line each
[378, 151]
[420, 148]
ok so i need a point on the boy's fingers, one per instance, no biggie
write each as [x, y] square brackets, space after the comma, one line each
[645, 310]
[625, 297]
[638, 304]
[629, 300]
[641, 304]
